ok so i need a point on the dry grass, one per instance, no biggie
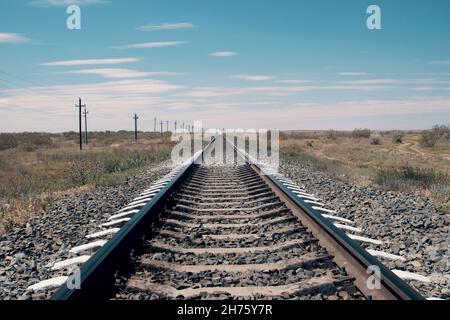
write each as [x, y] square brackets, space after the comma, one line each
[398, 162]
[35, 168]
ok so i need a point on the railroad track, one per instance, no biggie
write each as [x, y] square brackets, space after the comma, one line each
[228, 232]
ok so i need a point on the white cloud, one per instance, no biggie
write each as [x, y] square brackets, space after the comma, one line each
[113, 88]
[366, 108]
[166, 26]
[353, 74]
[133, 93]
[393, 81]
[210, 92]
[121, 73]
[152, 45]
[430, 89]
[441, 62]
[223, 54]
[373, 81]
[292, 81]
[65, 3]
[15, 38]
[70, 63]
[252, 77]
[111, 103]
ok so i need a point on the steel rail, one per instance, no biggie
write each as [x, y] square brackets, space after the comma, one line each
[347, 253]
[97, 274]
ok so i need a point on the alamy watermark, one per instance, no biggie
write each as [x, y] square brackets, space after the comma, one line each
[230, 147]
[374, 280]
[74, 281]
[374, 20]
[74, 20]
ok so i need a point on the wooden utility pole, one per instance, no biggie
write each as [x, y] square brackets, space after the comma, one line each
[85, 113]
[154, 127]
[79, 106]
[167, 126]
[135, 127]
[175, 126]
[161, 128]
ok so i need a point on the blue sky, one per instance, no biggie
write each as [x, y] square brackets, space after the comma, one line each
[251, 64]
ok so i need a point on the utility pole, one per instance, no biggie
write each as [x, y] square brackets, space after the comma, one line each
[167, 126]
[135, 126]
[182, 126]
[79, 106]
[154, 128]
[175, 126]
[85, 113]
[161, 128]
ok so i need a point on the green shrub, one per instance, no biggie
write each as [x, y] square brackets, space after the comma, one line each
[375, 140]
[397, 137]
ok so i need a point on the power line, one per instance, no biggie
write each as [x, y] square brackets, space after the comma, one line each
[20, 78]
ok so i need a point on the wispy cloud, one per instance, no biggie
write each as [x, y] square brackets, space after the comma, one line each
[441, 62]
[65, 3]
[252, 77]
[14, 38]
[293, 81]
[121, 73]
[152, 45]
[166, 26]
[393, 81]
[372, 81]
[132, 93]
[87, 62]
[377, 108]
[223, 54]
[211, 92]
[353, 74]
[50, 104]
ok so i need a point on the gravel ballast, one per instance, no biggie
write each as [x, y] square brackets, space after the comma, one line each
[409, 225]
[27, 253]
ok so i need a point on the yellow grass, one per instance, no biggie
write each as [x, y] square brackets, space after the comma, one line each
[405, 166]
[41, 167]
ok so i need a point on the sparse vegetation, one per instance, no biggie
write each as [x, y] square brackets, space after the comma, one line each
[27, 141]
[397, 137]
[35, 167]
[361, 133]
[410, 178]
[375, 140]
[405, 166]
[8, 141]
[429, 138]
[331, 135]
